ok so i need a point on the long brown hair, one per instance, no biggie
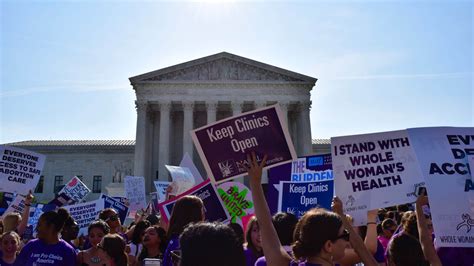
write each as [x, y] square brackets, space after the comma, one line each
[313, 230]
[248, 237]
[114, 246]
[186, 210]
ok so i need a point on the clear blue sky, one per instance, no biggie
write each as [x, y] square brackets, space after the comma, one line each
[381, 65]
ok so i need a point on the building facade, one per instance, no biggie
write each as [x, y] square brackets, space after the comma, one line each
[170, 102]
[174, 100]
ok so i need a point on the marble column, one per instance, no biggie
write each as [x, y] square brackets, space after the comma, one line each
[141, 141]
[308, 140]
[284, 110]
[304, 129]
[211, 111]
[164, 153]
[237, 108]
[188, 119]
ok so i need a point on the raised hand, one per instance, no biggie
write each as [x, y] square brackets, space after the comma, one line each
[337, 206]
[255, 169]
[29, 198]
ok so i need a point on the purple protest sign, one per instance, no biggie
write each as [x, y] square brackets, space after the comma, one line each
[304, 169]
[223, 146]
[213, 206]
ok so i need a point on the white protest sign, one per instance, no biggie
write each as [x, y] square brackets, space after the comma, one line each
[17, 205]
[85, 213]
[75, 189]
[183, 180]
[443, 154]
[188, 162]
[161, 187]
[374, 171]
[135, 192]
[20, 169]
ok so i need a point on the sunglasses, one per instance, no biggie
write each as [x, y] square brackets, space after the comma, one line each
[112, 218]
[345, 235]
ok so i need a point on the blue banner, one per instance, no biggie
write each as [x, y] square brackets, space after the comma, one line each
[117, 205]
[299, 197]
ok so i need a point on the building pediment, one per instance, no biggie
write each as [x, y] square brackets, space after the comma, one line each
[222, 67]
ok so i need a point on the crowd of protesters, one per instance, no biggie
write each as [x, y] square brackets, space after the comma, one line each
[402, 235]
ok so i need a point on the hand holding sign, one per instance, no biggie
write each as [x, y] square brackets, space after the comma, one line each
[29, 198]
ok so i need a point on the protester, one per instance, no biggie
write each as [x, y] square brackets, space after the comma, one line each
[154, 244]
[111, 217]
[388, 228]
[369, 234]
[414, 246]
[114, 245]
[210, 244]
[186, 210]
[9, 247]
[70, 232]
[48, 248]
[11, 221]
[319, 235]
[136, 241]
[284, 224]
[94, 256]
[253, 248]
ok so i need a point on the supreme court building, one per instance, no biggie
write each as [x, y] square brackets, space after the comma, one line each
[172, 101]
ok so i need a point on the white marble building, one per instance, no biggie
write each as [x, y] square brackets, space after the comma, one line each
[170, 102]
[174, 100]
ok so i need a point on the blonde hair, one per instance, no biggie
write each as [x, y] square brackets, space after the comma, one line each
[13, 234]
[11, 222]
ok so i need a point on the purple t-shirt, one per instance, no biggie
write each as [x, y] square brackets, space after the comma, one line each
[172, 245]
[38, 253]
[250, 258]
[456, 256]
[3, 263]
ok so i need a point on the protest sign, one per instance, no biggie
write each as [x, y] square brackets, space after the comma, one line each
[115, 204]
[20, 169]
[223, 146]
[135, 192]
[308, 168]
[182, 179]
[237, 198]
[60, 200]
[123, 200]
[161, 187]
[75, 190]
[374, 171]
[35, 213]
[214, 209]
[188, 162]
[17, 205]
[299, 197]
[443, 154]
[85, 213]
